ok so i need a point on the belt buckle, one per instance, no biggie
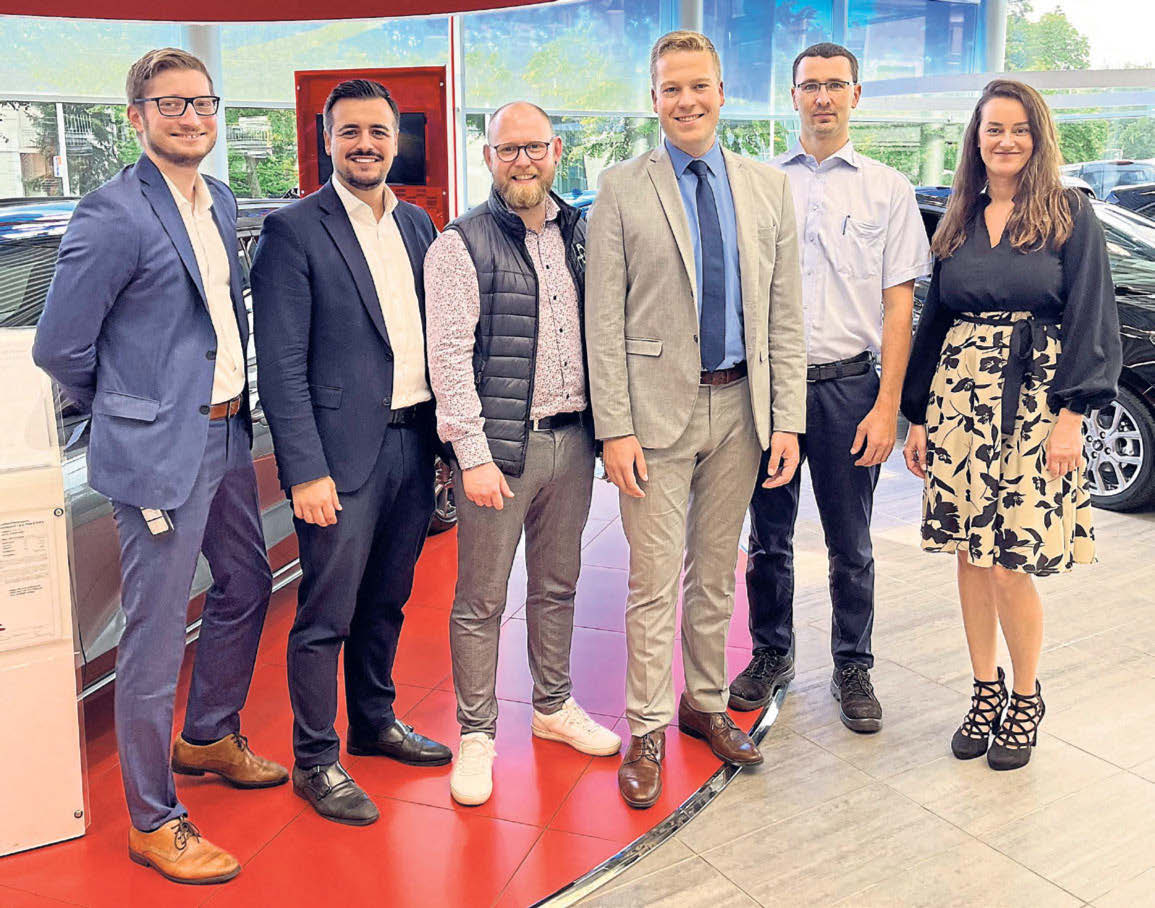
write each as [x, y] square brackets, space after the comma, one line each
[535, 425]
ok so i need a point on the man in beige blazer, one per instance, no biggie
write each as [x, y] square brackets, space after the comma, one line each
[697, 363]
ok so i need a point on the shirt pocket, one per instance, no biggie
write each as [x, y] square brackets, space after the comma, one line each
[860, 245]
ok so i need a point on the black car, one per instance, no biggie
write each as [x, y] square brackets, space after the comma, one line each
[1120, 438]
[1139, 198]
[30, 233]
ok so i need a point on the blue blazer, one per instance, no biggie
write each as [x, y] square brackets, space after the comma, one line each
[323, 353]
[127, 334]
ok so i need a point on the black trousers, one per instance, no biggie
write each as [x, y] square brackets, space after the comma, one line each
[356, 577]
[845, 497]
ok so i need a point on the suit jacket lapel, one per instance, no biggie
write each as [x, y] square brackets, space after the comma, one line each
[415, 251]
[336, 221]
[159, 196]
[747, 222]
[661, 173]
[229, 238]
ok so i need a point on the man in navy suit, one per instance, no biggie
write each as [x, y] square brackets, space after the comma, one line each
[145, 326]
[338, 303]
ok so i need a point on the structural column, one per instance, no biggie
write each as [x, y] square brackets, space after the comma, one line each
[995, 32]
[204, 41]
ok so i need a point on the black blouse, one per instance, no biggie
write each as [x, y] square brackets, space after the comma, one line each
[1072, 285]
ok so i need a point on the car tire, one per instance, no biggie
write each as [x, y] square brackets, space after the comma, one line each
[1119, 444]
[444, 510]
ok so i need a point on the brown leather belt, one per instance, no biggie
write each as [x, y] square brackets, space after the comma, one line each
[724, 376]
[225, 409]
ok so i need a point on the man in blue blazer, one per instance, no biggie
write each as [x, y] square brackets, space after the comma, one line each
[338, 311]
[145, 325]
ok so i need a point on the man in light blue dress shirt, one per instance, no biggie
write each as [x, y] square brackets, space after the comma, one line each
[862, 244]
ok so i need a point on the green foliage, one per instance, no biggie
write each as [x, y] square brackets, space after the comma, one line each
[1052, 42]
[275, 174]
[1137, 138]
[1083, 140]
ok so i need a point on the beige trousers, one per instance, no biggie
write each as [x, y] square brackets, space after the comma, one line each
[696, 499]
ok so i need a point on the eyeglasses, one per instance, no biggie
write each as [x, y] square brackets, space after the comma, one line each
[834, 87]
[175, 106]
[508, 153]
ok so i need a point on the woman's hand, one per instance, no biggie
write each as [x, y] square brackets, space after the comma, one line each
[1064, 450]
[914, 451]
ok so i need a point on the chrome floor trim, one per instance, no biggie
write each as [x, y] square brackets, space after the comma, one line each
[615, 866]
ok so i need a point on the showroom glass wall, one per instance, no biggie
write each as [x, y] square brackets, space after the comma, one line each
[62, 126]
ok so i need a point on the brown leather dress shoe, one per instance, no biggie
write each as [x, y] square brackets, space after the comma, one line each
[178, 852]
[231, 759]
[640, 775]
[728, 742]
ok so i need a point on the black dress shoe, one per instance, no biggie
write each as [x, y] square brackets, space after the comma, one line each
[334, 794]
[767, 672]
[398, 742]
[860, 710]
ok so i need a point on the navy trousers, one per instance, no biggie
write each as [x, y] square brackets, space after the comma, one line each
[357, 576]
[845, 497]
[222, 519]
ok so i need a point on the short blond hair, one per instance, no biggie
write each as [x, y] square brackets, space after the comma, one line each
[682, 40]
[157, 61]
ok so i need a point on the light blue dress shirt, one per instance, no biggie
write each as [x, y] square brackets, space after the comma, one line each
[724, 199]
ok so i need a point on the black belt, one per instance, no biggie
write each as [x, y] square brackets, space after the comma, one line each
[844, 368]
[557, 421]
[723, 376]
[407, 416]
[1022, 347]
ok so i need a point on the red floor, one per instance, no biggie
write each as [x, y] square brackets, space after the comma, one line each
[554, 813]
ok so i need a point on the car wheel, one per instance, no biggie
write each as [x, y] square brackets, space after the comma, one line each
[444, 510]
[1119, 444]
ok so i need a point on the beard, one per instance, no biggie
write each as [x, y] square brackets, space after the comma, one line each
[177, 156]
[526, 195]
[359, 183]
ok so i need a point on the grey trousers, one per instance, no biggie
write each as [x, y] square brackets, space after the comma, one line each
[551, 503]
[696, 500]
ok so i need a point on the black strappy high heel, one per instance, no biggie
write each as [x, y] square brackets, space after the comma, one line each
[1019, 732]
[973, 737]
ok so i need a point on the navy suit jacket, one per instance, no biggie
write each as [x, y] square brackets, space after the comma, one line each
[323, 353]
[126, 332]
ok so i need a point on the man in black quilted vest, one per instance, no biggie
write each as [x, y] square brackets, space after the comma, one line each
[504, 286]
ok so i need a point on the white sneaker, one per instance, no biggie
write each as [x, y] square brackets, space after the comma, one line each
[572, 725]
[471, 782]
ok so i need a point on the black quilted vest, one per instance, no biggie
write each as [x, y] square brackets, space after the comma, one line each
[505, 342]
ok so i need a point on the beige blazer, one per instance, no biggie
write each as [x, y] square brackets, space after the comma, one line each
[641, 301]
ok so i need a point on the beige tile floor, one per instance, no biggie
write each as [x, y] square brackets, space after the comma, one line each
[893, 819]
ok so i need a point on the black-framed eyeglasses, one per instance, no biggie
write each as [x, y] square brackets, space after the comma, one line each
[834, 87]
[508, 152]
[175, 105]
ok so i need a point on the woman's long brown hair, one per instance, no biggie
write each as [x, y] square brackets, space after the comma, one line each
[1042, 211]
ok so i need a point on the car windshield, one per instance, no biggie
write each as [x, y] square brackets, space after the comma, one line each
[1130, 243]
[25, 273]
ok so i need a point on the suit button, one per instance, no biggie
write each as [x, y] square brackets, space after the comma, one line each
[695, 338]
[210, 354]
[385, 403]
[204, 409]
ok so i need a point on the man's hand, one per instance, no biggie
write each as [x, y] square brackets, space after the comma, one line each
[875, 435]
[621, 457]
[1065, 444]
[783, 461]
[485, 486]
[914, 451]
[316, 501]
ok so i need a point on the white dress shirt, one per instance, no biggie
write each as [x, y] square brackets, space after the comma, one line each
[859, 232]
[213, 262]
[392, 274]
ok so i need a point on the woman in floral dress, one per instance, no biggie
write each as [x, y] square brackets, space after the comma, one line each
[1018, 340]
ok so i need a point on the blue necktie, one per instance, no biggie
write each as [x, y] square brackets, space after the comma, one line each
[713, 289]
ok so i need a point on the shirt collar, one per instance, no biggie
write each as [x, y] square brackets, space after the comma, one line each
[355, 208]
[201, 201]
[681, 160]
[845, 153]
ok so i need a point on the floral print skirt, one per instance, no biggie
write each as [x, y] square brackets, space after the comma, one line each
[988, 492]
